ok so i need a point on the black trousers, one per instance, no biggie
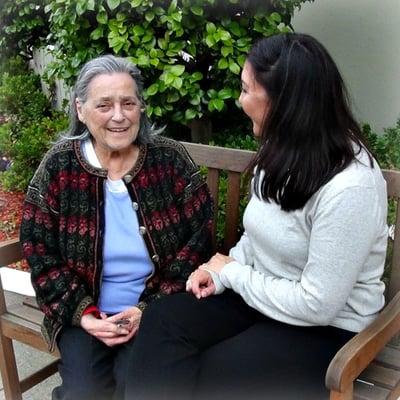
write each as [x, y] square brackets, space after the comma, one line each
[219, 348]
[89, 369]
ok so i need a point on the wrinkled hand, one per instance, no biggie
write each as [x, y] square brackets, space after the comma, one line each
[217, 262]
[108, 331]
[200, 283]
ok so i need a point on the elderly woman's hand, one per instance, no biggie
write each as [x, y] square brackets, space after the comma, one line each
[118, 329]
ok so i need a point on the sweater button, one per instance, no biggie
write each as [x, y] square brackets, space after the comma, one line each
[142, 230]
[128, 178]
[155, 258]
[135, 206]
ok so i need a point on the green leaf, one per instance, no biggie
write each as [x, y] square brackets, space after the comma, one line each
[225, 35]
[80, 8]
[190, 113]
[197, 76]
[177, 83]
[216, 104]
[196, 10]
[162, 44]
[234, 27]
[113, 4]
[241, 60]
[158, 111]
[225, 51]
[138, 30]
[210, 27]
[173, 97]
[136, 3]
[152, 89]
[102, 17]
[177, 70]
[90, 5]
[225, 93]
[223, 63]
[276, 17]
[143, 60]
[168, 78]
[195, 100]
[210, 41]
[149, 16]
[233, 67]
[172, 6]
[97, 33]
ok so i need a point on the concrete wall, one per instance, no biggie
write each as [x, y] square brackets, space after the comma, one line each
[363, 37]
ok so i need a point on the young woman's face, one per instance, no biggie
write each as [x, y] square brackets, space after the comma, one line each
[253, 98]
[111, 112]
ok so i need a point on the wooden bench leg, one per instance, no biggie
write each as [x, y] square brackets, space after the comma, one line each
[9, 372]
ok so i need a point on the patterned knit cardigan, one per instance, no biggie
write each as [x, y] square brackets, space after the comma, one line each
[63, 226]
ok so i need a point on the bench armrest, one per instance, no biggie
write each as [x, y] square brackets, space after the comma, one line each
[10, 252]
[355, 355]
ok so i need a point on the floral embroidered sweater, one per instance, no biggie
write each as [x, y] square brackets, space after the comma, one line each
[63, 226]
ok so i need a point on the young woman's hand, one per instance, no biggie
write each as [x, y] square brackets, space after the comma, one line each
[216, 263]
[200, 283]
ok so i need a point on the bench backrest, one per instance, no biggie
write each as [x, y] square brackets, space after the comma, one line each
[235, 162]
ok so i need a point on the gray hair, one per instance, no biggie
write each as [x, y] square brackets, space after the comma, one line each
[107, 64]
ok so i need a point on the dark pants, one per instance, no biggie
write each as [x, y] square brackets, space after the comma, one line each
[89, 369]
[218, 348]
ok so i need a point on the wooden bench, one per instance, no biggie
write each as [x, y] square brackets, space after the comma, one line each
[369, 363]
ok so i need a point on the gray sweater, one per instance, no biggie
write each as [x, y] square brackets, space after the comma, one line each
[321, 265]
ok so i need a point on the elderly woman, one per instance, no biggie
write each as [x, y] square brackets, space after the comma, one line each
[114, 218]
[306, 274]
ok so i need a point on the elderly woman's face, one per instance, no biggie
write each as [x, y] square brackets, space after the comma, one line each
[112, 111]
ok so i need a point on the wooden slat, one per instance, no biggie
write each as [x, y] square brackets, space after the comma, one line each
[364, 391]
[220, 157]
[10, 252]
[29, 314]
[394, 283]
[381, 376]
[395, 395]
[232, 210]
[30, 301]
[213, 184]
[39, 376]
[393, 188]
[389, 357]
[392, 178]
[23, 331]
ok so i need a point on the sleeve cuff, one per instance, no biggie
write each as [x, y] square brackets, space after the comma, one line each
[92, 310]
[231, 269]
[219, 287]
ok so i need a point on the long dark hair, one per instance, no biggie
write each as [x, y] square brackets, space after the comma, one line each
[309, 134]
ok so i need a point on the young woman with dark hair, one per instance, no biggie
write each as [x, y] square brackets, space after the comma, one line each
[306, 274]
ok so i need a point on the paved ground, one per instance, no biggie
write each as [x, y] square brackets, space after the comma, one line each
[29, 360]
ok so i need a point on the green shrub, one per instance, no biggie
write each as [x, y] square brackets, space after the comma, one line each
[386, 146]
[21, 100]
[27, 152]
